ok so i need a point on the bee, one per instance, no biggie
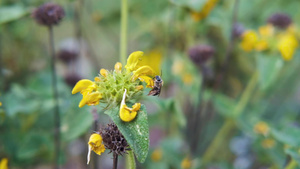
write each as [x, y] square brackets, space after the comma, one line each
[158, 83]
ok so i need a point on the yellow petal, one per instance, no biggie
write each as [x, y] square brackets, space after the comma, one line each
[266, 31]
[133, 60]
[261, 128]
[148, 80]
[261, 45]
[156, 155]
[139, 87]
[81, 85]
[128, 114]
[143, 71]
[104, 72]
[249, 39]
[118, 67]
[3, 163]
[287, 45]
[97, 79]
[90, 99]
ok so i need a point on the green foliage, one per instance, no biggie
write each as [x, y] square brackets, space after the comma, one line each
[11, 13]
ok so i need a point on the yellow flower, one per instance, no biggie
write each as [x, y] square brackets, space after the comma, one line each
[268, 143]
[287, 45]
[266, 31]
[136, 66]
[249, 40]
[206, 9]
[3, 163]
[186, 163]
[0, 104]
[118, 67]
[103, 72]
[187, 79]
[261, 45]
[156, 155]
[88, 90]
[95, 144]
[261, 128]
[128, 114]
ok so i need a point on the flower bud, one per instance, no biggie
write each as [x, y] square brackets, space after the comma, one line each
[48, 14]
[66, 55]
[280, 20]
[201, 53]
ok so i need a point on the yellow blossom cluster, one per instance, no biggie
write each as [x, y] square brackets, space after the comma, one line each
[269, 38]
[112, 87]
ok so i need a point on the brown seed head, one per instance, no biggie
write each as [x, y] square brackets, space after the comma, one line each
[48, 14]
[201, 53]
[280, 20]
[67, 55]
[113, 139]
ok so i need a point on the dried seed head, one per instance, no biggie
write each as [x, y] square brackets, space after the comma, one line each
[237, 30]
[113, 139]
[67, 55]
[48, 14]
[201, 53]
[72, 78]
[280, 20]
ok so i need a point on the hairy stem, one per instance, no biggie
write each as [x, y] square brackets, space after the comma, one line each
[130, 161]
[55, 97]
[123, 31]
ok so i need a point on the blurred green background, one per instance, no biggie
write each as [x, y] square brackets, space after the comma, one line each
[240, 109]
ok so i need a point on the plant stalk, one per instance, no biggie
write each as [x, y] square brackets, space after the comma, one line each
[291, 165]
[55, 98]
[229, 123]
[229, 47]
[115, 165]
[123, 31]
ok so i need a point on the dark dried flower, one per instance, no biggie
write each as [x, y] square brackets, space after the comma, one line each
[66, 55]
[237, 30]
[280, 20]
[72, 78]
[113, 139]
[201, 53]
[48, 14]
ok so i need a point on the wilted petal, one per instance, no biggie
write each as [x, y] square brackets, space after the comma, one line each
[128, 114]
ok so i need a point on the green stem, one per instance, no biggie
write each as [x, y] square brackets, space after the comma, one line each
[229, 123]
[130, 161]
[123, 31]
[291, 165]
[55, 97]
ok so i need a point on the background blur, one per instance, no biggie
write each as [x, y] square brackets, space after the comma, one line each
[229, 100]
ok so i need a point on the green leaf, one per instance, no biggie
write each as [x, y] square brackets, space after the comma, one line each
[135, 132]
[76, 122]
[289, 135]
[269, 68]
[224, 105]
[294, 153]
[11, 13]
